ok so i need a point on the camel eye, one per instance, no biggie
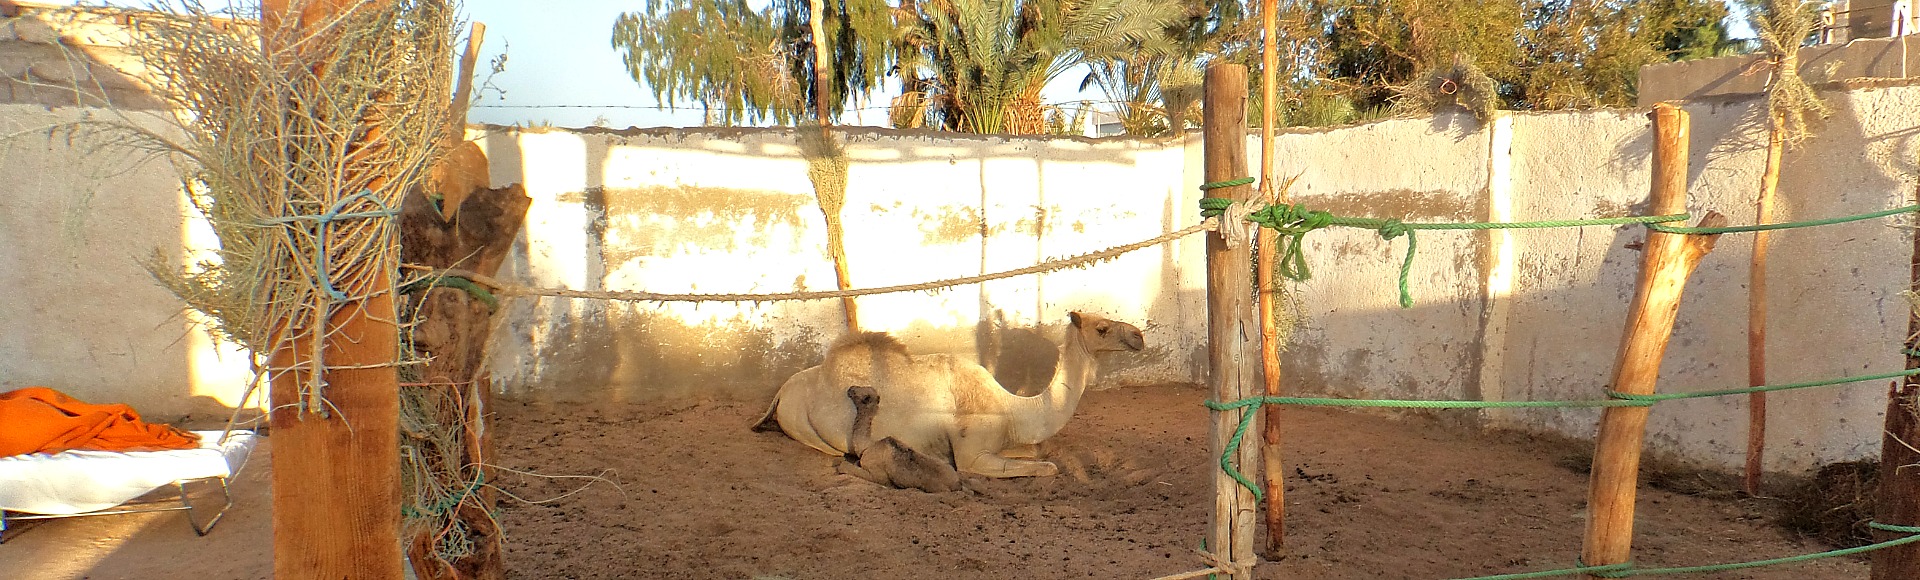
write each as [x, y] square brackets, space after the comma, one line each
[1103, 329]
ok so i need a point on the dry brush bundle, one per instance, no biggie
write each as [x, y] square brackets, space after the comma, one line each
[1460, 83]
[303, 144]
[1792, 104]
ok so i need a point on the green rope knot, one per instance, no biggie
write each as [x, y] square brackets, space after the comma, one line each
[1213, 206]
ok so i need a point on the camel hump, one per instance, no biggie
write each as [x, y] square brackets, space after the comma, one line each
[869, 342]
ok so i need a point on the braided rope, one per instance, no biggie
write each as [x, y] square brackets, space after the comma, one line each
[1043, 267]
[1783, 225]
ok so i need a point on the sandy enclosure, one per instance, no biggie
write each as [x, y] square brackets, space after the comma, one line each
[700, 496]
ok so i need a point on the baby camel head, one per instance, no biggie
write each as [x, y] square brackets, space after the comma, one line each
[863, 397]
[1100, 334]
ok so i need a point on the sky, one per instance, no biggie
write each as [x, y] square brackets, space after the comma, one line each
[562, 69]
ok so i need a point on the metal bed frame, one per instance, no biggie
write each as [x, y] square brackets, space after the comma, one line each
[185, 499]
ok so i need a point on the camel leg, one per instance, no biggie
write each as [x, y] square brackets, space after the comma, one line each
[991, 465]
[1022, 451]
[854, 469]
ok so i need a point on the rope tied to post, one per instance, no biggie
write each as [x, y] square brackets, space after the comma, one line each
[1293, 222]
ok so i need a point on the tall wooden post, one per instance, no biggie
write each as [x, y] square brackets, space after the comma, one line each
[1668, 261]
[1233, 333]
[1274, 474]
[1899, 501]
[336, 480]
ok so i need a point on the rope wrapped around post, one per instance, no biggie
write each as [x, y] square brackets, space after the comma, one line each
[1293, 222]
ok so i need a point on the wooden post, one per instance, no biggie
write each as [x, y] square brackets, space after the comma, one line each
[1274, 474]
[1668, 260]
[1757, 308]
[1232, 330]
[336, 480]
[1899, 501]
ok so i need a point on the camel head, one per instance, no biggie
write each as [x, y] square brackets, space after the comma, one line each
[1101, 335]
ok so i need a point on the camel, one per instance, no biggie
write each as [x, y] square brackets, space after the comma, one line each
[941, 406]
[889, 462]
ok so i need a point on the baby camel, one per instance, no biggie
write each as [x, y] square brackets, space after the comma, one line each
[887, 461]
[940, 405]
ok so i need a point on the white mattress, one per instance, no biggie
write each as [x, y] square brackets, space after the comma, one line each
[74, 482]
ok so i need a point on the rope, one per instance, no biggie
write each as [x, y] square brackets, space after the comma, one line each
[1049, 266]
[320, 258]
[1625, 570]
[1293, 222]
[1223, 184]
[1655, 398]
[1617, 399]
[1783, 225]
[472, 288]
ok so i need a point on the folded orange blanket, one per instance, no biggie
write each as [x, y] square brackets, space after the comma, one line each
[39, 419]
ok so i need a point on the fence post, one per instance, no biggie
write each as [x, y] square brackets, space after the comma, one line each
[1668, 260]
[336, 486]
[1233, 333]
[1899, 500]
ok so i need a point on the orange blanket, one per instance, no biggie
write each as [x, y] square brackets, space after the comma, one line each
[39, 419]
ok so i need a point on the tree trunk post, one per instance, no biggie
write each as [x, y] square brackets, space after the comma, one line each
[336, 480]
[1669, 259]
[1757, 308]
[1274, 473]
[1232, 329]
[1899, 500]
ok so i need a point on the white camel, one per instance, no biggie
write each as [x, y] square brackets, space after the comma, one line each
[941, 406]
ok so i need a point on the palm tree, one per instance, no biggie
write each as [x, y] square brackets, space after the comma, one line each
[1154, 83]
[988, 59]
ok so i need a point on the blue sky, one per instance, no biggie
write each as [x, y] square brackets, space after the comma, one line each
[561, 68]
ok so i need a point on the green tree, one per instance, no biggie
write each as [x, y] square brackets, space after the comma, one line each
[750, 66]
[985, 61]
[1154, 82]
[1356, 56]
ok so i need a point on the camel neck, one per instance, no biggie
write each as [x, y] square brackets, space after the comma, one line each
[1049, 411]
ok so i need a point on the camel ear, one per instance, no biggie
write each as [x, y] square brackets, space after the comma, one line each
[1074, 317]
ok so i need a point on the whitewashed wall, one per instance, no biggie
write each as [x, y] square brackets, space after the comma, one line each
[1522, 315]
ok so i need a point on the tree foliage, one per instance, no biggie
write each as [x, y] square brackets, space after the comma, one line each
[983, 62]
[745, 65]
[1538, 54]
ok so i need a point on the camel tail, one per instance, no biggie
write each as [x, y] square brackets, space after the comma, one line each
[771, 421]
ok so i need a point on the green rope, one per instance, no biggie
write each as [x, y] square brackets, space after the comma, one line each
[1617, 399]
[1626, 569]
[1228, 183]
[1655, 398]
[473, 289]
[1783, 225]
[1293, 222]
[1607, 571]
[445, 504]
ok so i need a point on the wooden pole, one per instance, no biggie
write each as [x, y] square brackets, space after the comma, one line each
[1231, 327]
[1274, 480]
[1668, 261]
[1899, 501]
[1757, 308]
[336, 480]
[822, 106]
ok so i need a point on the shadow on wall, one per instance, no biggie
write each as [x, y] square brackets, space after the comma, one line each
[597, 350]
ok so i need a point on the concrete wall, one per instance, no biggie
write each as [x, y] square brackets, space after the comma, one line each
[65, 57]
[1503, 315]
[734, 211]
[1826, 65]
[77, 311]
